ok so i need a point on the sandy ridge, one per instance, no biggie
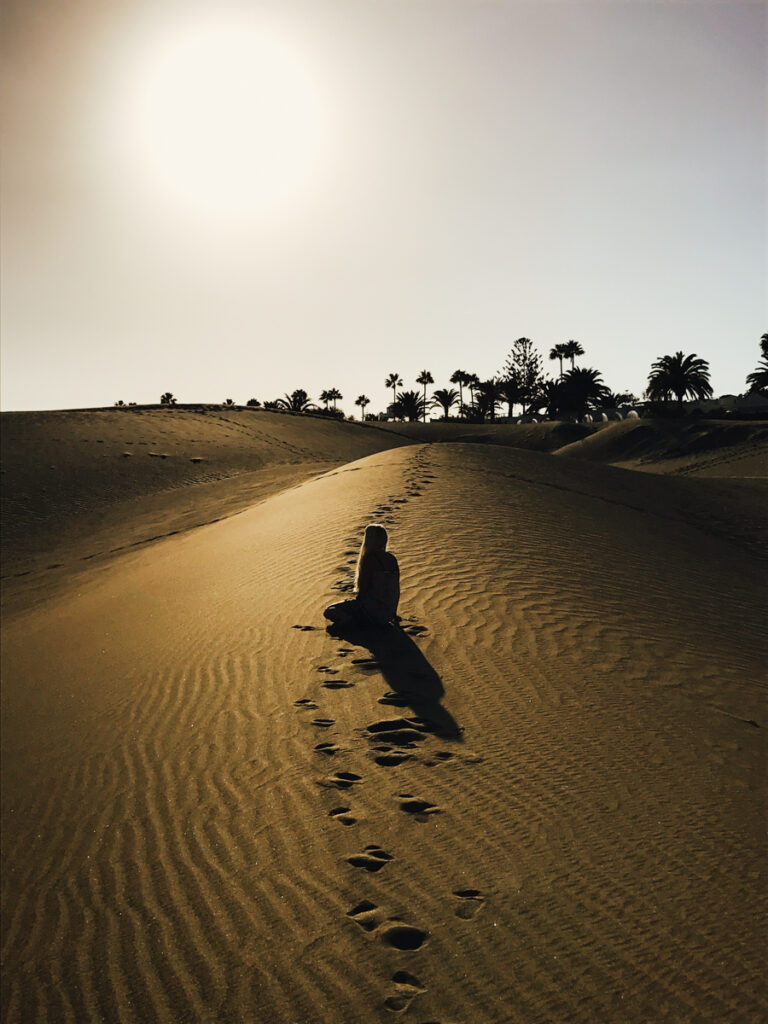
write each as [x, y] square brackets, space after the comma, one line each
[81, 487]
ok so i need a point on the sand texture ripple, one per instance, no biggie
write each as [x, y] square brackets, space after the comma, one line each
[541, 800]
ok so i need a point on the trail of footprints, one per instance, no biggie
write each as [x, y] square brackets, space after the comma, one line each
[391, 742]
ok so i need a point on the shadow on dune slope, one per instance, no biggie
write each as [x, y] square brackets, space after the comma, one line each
[659, 441]
[413, 680]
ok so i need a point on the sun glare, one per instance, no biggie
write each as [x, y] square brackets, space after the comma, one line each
[225, 117]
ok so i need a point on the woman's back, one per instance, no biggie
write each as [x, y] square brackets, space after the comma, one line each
[379, 585]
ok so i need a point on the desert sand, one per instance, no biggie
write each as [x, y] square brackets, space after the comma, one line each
[541, 800]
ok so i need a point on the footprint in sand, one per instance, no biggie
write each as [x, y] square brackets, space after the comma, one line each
[305, 704]
[392, 932]
[365, 914]
[439, 757]
[389, 758]
[401, 732]
[323, 723]
[373, 858]
[336, 684]
[397, 700]
[406, 987]
[329, 749]
[305, 629]
[366, 664]
[470, 903]
[402, 936]
[342, 815]
[340, 780]
[418, 809]
[326, 670]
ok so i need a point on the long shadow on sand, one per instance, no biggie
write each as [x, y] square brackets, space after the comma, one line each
[408, 673]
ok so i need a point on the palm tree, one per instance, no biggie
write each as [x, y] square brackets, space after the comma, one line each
[167, 399]
[410, 405]
[446, 399]
[613, 399]
[512, 391]
[571, 349]
[335, 395]
[580, 390]
[297, 401]
[488, 397]
[679, 375]
[459, 377]
[473, 382]
[325, 398]
[551, 392]
[425, 377]
[758, 379]
[394, 380]
[559, 352]
[362, 401]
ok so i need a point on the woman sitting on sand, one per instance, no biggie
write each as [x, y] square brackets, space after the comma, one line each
[377, 583]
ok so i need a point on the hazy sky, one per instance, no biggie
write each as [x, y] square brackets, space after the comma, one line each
[235, 199]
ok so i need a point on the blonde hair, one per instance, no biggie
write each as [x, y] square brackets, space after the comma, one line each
[374, 539]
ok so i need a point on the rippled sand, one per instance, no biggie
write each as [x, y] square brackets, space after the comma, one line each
[543, 799]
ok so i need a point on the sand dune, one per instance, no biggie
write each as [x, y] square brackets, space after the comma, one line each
[709, 448]
[712, 448]
[543, 800]
[538, 437]
[81, 486]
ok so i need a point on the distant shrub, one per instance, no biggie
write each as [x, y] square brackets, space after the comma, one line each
[253, 402]
[167, 399]
[228, 402]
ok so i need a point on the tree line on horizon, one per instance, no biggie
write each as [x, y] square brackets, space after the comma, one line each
[575, 391]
